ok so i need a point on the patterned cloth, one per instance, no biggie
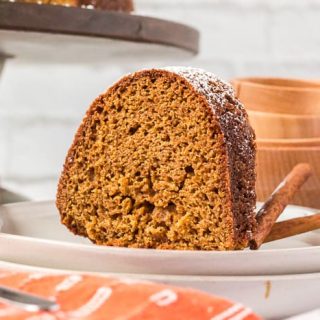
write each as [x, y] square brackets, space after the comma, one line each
[105, 298]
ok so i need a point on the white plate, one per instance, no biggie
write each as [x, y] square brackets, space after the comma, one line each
[32, 234]
[272, 297]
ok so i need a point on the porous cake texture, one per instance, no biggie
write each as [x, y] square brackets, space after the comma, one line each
[163, 159]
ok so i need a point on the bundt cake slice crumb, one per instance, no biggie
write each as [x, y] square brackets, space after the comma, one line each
[164, 159]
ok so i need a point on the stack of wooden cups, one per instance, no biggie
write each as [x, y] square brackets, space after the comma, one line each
[285, 114]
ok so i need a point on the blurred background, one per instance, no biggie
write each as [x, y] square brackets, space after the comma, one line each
[41, 105]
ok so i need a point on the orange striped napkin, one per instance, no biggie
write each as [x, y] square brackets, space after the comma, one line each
[105, 298]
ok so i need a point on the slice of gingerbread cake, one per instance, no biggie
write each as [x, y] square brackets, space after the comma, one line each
[163, 159]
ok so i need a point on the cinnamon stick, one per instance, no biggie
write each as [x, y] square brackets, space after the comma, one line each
[293, 227]
[279, 199]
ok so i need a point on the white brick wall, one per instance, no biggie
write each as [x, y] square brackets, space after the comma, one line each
[38, 148]
[4, 143]
[41, 105]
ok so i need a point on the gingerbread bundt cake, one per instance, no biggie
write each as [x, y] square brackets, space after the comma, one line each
[164, 159]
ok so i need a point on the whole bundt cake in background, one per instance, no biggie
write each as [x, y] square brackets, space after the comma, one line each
[108, 5]
[164, 159]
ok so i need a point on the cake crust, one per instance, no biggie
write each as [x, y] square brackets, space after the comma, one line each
[240, 142]
[235, 137]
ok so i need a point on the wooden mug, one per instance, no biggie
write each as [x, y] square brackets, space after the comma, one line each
[276, 157]
[270, 125]
[279, 95]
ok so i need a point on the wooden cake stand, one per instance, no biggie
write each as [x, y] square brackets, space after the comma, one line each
[65, 34]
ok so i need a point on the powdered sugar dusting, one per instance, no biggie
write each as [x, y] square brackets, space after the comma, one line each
[221, 97]
[203, 81]
[238, 136]
[216, 91]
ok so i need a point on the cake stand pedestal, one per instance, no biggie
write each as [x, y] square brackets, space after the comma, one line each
[2, 60]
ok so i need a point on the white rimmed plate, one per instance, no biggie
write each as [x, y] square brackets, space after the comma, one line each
[32, 234]
[272, 297]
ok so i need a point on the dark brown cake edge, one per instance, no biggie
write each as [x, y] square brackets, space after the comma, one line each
[240, 142]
